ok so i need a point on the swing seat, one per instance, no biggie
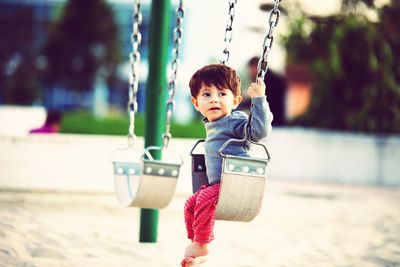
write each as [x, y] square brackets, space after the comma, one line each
[242, 187]
[144, 183]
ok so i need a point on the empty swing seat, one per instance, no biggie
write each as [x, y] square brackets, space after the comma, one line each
[144, 183]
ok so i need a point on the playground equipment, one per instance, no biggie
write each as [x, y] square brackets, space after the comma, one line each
[140, 179]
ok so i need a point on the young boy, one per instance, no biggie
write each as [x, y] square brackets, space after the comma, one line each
[215, 91]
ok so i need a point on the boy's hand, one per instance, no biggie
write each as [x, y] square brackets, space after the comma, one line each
[256, 89]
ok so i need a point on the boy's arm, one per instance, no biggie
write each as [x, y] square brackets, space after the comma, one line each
[261, 117]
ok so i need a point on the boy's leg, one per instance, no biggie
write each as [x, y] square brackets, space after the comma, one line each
[199, 219]
[204, 214]
[189, 215]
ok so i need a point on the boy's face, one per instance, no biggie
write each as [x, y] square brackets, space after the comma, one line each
[214, 103]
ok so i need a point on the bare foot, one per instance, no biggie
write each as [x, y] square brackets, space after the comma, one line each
[190, 261]
[195, 253]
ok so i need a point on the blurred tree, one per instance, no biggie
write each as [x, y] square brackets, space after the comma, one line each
[82, 45]
[357, 79]
[389, 27]
[18, 78]
[22, 85]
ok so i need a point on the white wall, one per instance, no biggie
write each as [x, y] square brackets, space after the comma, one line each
[18, 120]
[68, 162]
[335, 157]
[81, 162]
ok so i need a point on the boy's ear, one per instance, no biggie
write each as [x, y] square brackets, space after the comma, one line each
[195, 103]
[236, 101]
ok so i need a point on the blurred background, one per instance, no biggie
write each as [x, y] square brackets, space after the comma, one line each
[339, 58]
[333, 85]
[333, 75]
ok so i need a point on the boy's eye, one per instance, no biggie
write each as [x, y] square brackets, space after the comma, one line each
[206, 94]
[221, 94]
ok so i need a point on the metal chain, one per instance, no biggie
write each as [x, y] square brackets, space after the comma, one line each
[262, 67]
[268, 40]
[228, 31]
[177, 39]
[134, 58]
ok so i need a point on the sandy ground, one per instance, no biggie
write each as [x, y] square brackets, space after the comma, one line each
[305, 224]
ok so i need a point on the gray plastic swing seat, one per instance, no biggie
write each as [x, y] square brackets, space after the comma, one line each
[242, 187]
[144, 183]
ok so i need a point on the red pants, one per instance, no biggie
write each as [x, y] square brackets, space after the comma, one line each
[200, 214]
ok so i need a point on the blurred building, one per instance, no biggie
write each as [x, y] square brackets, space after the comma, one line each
[24, 22]
[24, 28]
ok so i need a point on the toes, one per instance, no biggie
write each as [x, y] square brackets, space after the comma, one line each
[186, 262]
[193, 261]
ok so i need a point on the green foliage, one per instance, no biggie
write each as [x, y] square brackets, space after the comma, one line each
[356, 85]
[297, 42]
[82, 44]
[86, 123]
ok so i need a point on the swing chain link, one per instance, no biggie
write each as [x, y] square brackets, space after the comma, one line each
[134, 58]
[268, 40]
[262, 67]
[228, 31]
[177, 40]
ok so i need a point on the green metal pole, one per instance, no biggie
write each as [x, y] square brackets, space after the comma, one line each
[156, 95]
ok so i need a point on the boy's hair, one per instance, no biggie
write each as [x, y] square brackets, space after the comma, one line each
[219, 75]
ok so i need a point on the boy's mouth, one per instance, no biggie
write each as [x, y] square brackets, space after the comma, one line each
[215, 108]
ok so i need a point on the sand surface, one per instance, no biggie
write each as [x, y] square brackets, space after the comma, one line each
[301, 224]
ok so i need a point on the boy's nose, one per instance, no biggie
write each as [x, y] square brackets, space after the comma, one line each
[213, 99]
